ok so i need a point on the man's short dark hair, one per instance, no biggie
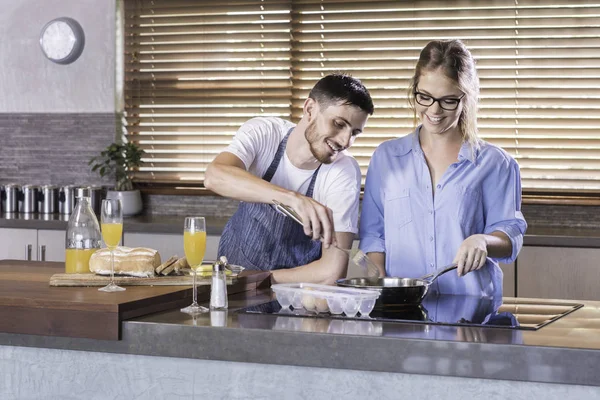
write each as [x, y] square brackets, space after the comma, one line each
[344, 89]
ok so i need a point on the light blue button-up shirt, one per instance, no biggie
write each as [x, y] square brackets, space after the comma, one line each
[420, 232]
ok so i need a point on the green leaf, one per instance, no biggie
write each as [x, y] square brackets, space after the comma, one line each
[118, 159]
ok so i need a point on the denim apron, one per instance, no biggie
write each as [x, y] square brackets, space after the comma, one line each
[259, 237]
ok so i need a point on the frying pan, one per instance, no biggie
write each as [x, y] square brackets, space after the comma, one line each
[397, 291]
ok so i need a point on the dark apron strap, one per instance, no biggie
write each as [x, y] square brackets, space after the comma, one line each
[275, 163]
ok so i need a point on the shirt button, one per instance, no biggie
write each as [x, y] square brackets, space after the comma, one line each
[439, 186]
[431, 265]
[431, 238]
[430, 211]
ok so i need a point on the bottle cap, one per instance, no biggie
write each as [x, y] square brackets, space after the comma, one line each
[82, 192]
[220, 264]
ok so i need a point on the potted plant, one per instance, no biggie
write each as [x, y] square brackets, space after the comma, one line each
[120, 160]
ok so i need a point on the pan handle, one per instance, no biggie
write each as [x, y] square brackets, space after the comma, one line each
[434, 275]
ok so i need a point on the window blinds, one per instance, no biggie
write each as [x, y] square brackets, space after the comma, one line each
[195, 72]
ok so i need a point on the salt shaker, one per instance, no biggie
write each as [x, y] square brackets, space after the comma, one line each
[218, 289]
[218, 318]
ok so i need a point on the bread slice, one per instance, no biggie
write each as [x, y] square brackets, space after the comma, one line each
[137, 261]
[181, 264]
[170, 267]
[162, 267]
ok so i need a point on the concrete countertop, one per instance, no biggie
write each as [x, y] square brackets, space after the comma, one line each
[565, 351]
[535, 236]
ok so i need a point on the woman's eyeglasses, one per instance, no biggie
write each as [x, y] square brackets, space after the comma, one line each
[447, 103]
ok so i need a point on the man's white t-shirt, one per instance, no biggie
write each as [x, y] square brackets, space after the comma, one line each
[337, 185]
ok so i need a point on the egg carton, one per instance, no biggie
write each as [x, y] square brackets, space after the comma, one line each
[322, 298]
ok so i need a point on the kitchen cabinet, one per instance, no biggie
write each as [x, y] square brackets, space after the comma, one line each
[51, 245]
[559, 273]
[508, 283]
[168, 244]
[32, 244]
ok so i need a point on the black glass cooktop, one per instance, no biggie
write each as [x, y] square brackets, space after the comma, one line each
[511, 313]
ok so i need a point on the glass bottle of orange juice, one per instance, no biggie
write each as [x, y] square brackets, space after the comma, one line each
[83, 235]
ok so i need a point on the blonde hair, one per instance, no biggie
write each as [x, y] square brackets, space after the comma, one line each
[457, 63]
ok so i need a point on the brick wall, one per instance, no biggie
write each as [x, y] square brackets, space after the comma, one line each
[53, 148]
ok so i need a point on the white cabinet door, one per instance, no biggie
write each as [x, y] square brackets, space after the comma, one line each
[51, 245]
[18, 244]
[168, 244]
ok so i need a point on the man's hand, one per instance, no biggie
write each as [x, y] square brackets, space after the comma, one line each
[317, 219]
[471, 254]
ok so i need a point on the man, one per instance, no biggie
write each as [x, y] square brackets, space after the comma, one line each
[304, 167]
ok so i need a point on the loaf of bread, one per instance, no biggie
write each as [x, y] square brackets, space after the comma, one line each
[138, 261]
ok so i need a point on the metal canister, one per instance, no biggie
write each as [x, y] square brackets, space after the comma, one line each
[28, 202]
[10, 198]
[66, 199]
[96, 194]
[48, 199]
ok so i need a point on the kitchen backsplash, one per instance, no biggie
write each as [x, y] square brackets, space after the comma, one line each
[53, 148]
[536, 215]
[56, 148]
[562, 216]
[214, 206]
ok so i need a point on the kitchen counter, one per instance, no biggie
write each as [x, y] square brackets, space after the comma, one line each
[566, 351]
[28, 304]
[535, 236]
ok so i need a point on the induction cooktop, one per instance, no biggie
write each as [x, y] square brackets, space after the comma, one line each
[511, 313]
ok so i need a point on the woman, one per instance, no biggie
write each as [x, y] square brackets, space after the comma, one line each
[441, 195]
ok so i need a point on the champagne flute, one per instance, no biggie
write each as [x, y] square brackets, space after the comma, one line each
[112, 230]
[194, 246]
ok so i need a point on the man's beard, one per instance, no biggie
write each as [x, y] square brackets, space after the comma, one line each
[312, 137]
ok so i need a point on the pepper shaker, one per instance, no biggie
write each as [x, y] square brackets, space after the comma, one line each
[218, 289]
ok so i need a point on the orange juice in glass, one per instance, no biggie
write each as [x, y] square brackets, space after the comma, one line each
[111, 233]
[112, 229]
[194, 246]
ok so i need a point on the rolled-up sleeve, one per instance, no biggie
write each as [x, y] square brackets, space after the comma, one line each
[372, 228]
[503, 212]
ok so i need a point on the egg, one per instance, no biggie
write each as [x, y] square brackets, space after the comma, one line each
[321, 305]
[308, 302]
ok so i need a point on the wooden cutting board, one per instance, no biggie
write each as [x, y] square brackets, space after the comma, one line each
[75, 280]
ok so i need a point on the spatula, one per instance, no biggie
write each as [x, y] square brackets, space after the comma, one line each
[356, 256]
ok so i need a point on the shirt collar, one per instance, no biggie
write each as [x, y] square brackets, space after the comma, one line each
[467, 152]
[403, 147]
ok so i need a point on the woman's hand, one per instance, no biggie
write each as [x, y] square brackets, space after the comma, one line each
[471, 254]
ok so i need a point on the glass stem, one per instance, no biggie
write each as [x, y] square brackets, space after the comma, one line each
[112, 267]
[194, 293]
